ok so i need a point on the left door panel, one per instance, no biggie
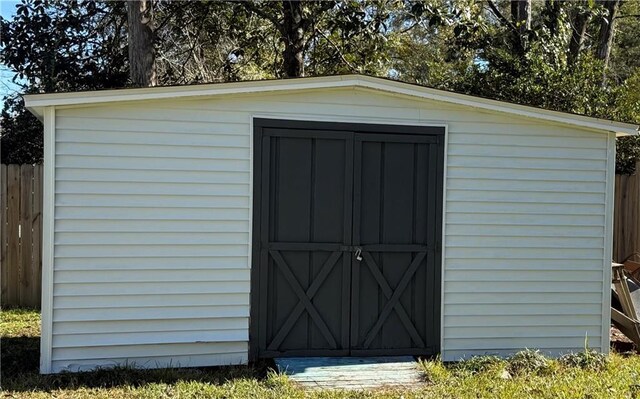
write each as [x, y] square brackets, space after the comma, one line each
[305, 205]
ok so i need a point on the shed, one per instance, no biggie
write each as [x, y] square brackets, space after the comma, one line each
[346, 215]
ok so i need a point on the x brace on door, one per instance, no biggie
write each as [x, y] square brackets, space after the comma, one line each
[392, 295]
[305, 299]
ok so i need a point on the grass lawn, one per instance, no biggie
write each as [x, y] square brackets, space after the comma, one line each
[526, 375]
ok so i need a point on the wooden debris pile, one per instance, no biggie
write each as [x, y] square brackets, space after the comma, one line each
[625, 299]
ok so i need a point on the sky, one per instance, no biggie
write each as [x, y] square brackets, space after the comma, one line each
[7, 10]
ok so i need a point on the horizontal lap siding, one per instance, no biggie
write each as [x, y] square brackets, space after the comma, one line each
[525, 236]
[152, 227]
[152, 237]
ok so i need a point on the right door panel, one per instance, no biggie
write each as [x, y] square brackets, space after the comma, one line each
[397, 208]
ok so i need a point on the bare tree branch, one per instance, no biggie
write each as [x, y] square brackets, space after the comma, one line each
[324, 6]
[337, 49]
[251, 6]
[500, 16]
[405, 30]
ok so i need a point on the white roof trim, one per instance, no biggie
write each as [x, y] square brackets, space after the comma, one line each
[36, 102]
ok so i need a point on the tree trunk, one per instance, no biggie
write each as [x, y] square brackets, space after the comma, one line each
[524, 12]
[521, 14]
[141, 43]
[607, 31]
[293, 34]
[580, 23]
[521, 19]
[552, 10]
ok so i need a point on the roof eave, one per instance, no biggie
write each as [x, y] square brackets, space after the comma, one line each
[37, 102]
[620, 128]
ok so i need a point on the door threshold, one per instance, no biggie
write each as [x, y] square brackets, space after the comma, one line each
[352, 372]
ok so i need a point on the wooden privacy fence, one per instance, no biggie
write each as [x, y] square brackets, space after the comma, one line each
[21, 235]
[626, 222]
[21, 247]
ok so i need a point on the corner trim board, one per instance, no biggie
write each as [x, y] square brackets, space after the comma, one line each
[48, 219]
[608, 242]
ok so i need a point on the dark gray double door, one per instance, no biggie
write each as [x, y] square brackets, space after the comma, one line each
[346, 239]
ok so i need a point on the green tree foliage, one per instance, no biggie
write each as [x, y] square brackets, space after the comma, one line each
[541, 53]
[21, 140]
[332, 36]
[57, 46]
[66, 45]
[485, 53]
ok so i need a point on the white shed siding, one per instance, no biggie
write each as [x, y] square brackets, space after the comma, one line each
[525, 241]
[151, 239]
[153, 209]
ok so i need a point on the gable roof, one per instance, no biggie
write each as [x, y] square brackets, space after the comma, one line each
[37, 102]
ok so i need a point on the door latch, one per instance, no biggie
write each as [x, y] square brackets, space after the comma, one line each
[358, 254]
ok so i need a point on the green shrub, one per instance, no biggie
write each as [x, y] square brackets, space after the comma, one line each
[478, 364]
[529, 361]
[588, 359]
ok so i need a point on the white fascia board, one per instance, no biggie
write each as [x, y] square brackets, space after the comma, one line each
[36, 102]
[500, 106]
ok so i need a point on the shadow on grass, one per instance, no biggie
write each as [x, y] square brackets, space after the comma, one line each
[20, 364]
[624, 347]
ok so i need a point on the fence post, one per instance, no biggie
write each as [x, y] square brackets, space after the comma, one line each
[36, 248]
[13, 241]
[4, 277]
[26, 192]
